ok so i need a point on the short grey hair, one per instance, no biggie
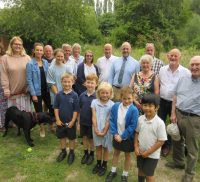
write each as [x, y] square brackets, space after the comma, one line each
[146, 57]
[76, 45]
[66, 45]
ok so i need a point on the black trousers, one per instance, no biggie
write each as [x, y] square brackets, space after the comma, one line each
[163, 112]
[45, 96]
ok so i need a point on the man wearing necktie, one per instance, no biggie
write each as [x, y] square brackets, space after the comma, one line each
[122, 70]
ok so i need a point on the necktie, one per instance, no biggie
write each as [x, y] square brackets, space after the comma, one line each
[121, 73]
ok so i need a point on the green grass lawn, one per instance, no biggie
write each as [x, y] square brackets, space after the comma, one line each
[17, 164]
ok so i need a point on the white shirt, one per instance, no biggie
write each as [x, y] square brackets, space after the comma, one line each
[71, 65]
[168, 80]
[121, 118]
[150, 131]
[104, 66]
[89, 69]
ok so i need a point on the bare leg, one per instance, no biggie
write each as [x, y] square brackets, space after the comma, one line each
[71, 144]
[99, 152]
[116, 155]
[127, 161]
[150, 178]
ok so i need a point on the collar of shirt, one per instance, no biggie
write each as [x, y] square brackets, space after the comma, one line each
[124, 107]
[101, 104]
[151, 120]
[107, 59]
[177, 70]
[89, 95]
[67, 92]
[195, 80]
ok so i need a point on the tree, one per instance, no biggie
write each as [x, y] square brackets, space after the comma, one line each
[150, 20]
[195, 5]
[47, 21]
[107, 22]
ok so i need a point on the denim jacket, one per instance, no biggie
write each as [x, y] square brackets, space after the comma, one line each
[33, 77]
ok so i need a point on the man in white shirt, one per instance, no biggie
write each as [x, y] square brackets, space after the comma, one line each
[104, 63]
[168, 78]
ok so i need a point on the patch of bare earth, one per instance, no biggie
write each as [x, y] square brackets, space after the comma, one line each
[19, 178]
[52, 157]
[72, 177]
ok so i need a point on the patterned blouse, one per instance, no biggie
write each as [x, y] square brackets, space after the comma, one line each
[143, 85]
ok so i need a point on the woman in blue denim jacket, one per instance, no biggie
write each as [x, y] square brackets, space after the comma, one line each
[36, 71]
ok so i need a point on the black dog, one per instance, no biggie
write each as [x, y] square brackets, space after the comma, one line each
[26, 121]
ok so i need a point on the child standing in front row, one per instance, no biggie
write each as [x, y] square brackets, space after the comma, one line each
[66, 109]
[150, 136]
[85, 118]
[123, 122]
[100, 118]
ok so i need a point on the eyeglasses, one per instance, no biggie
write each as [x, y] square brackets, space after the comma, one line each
[17, 44]
[89, 55]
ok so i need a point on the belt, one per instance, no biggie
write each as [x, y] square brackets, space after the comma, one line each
[187, 113]
[116, 87]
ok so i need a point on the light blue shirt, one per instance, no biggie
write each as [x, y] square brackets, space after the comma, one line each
[132, 66]
[54, 77]
[102, 115]
[188, 95]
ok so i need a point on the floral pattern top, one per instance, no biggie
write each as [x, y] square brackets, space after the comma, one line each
[143, 85]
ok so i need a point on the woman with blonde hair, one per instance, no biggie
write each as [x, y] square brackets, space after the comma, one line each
[13, 75]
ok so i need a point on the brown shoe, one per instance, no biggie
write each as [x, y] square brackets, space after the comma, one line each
[173, 165]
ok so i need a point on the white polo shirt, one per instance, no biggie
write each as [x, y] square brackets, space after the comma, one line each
[168, 80]
[150, 131]
[104, 66]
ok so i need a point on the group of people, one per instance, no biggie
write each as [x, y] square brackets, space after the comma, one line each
[118, 103]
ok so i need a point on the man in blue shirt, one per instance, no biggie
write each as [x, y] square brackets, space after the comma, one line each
[122, 70]
[186, 113]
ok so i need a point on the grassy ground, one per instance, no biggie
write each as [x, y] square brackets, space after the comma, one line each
[17, 164]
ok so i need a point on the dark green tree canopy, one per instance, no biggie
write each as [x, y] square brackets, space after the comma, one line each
[50, 21]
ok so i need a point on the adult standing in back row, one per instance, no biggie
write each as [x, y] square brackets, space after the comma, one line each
[122, 70]
[157, 63]
[104, 63]
[76, 56]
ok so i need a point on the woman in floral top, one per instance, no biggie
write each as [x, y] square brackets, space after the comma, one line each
[145, 81]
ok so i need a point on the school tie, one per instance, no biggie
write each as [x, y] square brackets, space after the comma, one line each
[121, 73]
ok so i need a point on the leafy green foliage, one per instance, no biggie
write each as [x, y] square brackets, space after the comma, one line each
[50, 21]
[149, 20]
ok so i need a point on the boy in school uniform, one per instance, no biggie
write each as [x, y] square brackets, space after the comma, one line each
[149, 137]
[66, 109]
[85, 118]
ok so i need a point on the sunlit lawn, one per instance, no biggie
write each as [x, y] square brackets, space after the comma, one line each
[17, 164]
